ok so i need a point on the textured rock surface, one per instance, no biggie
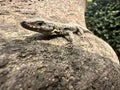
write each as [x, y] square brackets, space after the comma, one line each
[31, 61]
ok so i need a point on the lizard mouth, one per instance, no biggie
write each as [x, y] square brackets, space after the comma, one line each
[26, 25]
[39, 27]
[32, 27]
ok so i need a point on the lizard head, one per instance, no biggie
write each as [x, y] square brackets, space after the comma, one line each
[40, 26]
[32, 25]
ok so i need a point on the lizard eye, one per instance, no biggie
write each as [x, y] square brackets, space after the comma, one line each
[66, 28]
[40, 23]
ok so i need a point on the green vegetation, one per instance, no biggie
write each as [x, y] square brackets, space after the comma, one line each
[103, 19]
[89, 0]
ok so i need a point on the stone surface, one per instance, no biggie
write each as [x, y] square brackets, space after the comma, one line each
[31, 61]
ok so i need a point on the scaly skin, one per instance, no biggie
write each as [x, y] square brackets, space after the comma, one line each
[53, 28]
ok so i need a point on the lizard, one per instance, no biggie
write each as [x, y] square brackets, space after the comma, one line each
[54, 28]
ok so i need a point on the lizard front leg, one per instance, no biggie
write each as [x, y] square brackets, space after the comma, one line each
[71, 36]
[64, 34]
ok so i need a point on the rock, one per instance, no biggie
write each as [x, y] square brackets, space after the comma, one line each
[31, 61]
[43, 66]
[4, 12]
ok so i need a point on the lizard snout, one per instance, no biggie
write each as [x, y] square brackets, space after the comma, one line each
[23, 23]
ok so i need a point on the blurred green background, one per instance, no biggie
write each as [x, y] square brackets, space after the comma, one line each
[103, 19]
